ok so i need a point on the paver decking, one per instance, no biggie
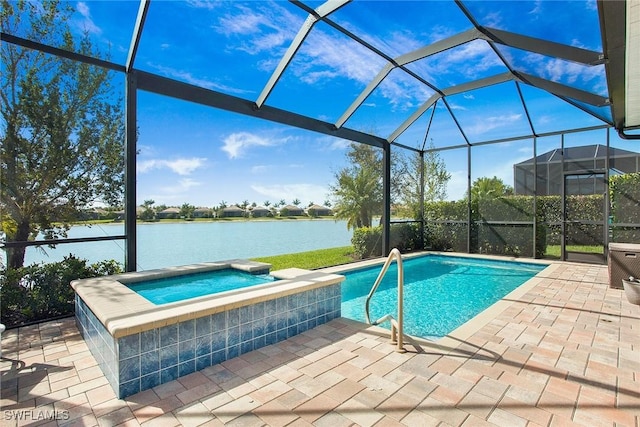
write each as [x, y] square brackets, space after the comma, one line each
[566, 353]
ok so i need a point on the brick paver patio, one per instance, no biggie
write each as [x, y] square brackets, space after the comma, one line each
[566, 353]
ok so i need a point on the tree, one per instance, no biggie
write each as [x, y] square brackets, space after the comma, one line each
[296, 202]
[489, 188]
[148, 212]
[186, 210]
[62, 128]
[436, 178]
[358, 187]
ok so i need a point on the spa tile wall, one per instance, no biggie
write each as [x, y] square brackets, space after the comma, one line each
[99, 341]
[160, 355]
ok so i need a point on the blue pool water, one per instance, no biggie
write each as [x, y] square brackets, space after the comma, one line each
[178, 288]
[440, 292]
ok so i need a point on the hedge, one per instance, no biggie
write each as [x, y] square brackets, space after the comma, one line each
[43, 291]
[446, 223]
[589, 208]
[367, 241]
[624, 193]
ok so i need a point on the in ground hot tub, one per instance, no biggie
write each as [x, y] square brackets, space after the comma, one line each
[140, 344]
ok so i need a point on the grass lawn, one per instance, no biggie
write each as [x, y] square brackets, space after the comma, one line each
[310, 260]
[554, 250]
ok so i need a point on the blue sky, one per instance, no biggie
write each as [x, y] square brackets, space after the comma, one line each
[194, 154]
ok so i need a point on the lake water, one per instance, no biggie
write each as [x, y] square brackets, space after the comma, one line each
[170, 244]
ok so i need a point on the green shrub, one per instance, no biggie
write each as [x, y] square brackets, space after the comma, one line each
[624, 192]
[42, 291]
[367, 241]
[446, 226]
[406, 237]
[446, 236]
[515, 239]
[589, 208]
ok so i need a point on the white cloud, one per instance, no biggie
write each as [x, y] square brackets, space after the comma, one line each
[173, 194]
[486, 124]
[179, 166]
[246, 21]
[493, 19]
[191, 79]
[306, 193]
[203, 4]
[86, 23]
[260, 169]
[331, 143]
[265, 27]
[455, 106]
[537, 8]
[182, 186]
[237, 144]
[570, 73]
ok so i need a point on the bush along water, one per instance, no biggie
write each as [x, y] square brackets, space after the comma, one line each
[42, 291]
[367, 241]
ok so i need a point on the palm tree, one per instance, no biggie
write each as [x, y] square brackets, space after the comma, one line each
[148, 213]
[489, 188]
[296, 202]
[358, 197]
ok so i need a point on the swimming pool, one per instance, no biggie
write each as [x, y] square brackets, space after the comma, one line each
[173, 289]
[440, 292]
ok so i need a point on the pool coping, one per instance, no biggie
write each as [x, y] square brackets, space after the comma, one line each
[124, 312]
[462, 333]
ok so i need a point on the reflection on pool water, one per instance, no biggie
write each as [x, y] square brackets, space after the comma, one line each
[440, 292]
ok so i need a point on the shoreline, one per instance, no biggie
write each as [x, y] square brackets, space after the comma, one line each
[206, 220]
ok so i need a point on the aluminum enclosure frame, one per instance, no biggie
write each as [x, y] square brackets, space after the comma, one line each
[613, 57]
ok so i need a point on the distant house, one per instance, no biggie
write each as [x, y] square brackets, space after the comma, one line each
[317, 210]
[233, 212]
[291, 210]
[202, 213]
[169, 213]
[557, 165]
[93, 214]
[260, 212]
[120, 214]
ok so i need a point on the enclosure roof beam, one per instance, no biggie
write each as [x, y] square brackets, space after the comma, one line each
[322, 11]
[543, 47]
[364, 94]
[187, 92]
[561, 90]
[137, 33]
[439, 46]
[415, 116]
[478, 84]
[453, 90]
[405, 59]
[30, 44]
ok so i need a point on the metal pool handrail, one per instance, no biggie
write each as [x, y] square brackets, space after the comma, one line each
[397, 336]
